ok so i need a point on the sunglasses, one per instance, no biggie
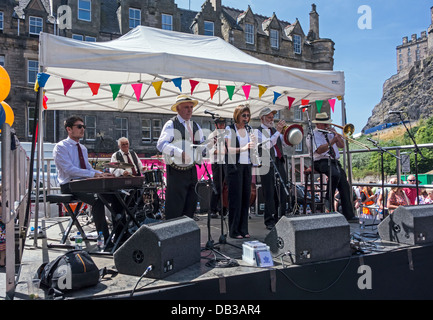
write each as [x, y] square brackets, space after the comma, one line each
[80, 126]
[245, 115]
[411, 180]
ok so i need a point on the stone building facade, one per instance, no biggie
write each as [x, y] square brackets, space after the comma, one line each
[267, 38]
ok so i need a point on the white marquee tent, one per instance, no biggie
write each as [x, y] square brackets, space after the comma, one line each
[145, 56]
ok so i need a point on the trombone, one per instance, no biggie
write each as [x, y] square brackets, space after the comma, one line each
[348, 130]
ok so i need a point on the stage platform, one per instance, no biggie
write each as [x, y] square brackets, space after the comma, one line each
[374, 269]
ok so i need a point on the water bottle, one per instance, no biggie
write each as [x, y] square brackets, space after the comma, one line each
[308, 209]
[301, 209]
[100, 241]
[78, 241]
[198, 206]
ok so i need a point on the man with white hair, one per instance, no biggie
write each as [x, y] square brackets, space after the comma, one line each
[126, 155]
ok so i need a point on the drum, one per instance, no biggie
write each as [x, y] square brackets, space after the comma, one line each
[153, 177]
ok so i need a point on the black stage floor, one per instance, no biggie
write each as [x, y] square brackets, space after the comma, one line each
[374, 269]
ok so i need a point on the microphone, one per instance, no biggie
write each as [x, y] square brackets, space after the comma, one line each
[305, 107]
[394, 112]
[211, 113]
[372, 141]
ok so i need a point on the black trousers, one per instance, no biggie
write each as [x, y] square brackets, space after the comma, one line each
[218, 175]
[239, 190]
[338, 180]
[275, 200]
[180, 196]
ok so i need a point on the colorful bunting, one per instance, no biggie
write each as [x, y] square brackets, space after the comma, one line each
[137, 90]
[44, 102]
[67, 84]
[212, 89]
[319, 104]
[115, 88]
[230, 91]
[157, 85]
[178, 83]
[332, 104]
[94, 87]
[291, 100]
[340, 98]
[36, 87]
[304, 102]
[42, 79]
[262, 90]
[193, 83]
[247, 90]
[276, 96]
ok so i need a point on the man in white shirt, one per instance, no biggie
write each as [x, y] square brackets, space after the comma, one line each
[127, 156]
[326, 143]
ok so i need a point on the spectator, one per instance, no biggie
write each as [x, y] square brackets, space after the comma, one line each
[411, 192]
[397, 197]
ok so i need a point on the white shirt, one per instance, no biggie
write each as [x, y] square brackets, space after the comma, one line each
[119, 172]
[265, 135]
[244, 155]
[66, 158]
[319, 139]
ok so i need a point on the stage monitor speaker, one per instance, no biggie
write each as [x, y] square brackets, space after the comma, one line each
[408, 225]
[167, 246]
[310, 238]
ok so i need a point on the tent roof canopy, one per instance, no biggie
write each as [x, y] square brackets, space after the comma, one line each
[153, 66]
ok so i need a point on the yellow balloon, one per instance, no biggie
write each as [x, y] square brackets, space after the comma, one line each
[5, 84]
[10, 117]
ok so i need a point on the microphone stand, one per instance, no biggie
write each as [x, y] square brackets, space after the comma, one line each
[331, 155]
[311, 135]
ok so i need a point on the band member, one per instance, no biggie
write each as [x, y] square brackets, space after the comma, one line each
[326, 143]
[176, 141]
[218, 169]
[127, 156]
[272, 147]
[239, 172]
[71, 159]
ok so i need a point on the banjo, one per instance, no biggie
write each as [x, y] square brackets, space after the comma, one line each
[193, 155]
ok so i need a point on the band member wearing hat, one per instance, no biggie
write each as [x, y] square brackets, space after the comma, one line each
[326, 143]
[272, 147]
[217, 154]
[127, 156]
[176, 141]
[239, 172]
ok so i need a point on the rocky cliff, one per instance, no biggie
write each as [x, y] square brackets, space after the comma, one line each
[409, 91]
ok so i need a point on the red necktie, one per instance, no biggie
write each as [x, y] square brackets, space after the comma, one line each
[81, 157]
[130, 162]
[279, 154]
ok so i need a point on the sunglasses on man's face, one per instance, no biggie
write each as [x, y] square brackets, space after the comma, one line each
[80, 126]
[411, 180]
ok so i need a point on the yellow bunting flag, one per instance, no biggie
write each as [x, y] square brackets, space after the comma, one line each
[157, 85]
[262, 90]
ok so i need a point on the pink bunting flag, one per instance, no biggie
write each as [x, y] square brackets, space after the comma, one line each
[247, 90]
[44, 102]
[212, 89]
[94, 87]
[193, 85]
[332, 104]
[291, 100]
[137, 90]
[67, 84]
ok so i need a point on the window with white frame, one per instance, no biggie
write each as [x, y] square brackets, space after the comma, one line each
[35, 25]
[134, 18]
[78, 37]
[90, 132]
[167, 22]
[30, 120]
[208, 28]
[84, 10]
[1, 20]
[156, 128]
[146, 130]
[89, 39]
[299, 147]
[297, 47]
[297, 114]
[120, 127]
[249, 33]
[32, 71]
[275, 39]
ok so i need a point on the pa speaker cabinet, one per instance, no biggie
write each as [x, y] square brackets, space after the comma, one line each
[310, 238]
[167, 246]
[408, 225]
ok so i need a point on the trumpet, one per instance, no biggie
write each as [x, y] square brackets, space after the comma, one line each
[255, 157]
[348, 130]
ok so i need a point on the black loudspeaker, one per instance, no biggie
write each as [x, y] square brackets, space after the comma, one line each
[408, 225]
[204, 193]
[310, 238]
[167, 246]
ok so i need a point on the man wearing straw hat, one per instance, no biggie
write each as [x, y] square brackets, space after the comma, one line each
[326, 143]
[178, 142]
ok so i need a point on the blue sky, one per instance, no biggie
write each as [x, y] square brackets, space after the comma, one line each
[367, 56]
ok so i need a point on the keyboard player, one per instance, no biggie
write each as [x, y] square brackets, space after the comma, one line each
[71, 159]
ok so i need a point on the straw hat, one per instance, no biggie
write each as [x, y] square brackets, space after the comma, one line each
[322, 118]
[266, 111]
[181, 99]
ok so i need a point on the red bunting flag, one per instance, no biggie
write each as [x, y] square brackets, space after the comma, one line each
[94, 87]
[304, 102]
[291, 100]
[67, 84]
[247, 90]
[212, 89]
[193, 85]
[137, 90]
[44, 102]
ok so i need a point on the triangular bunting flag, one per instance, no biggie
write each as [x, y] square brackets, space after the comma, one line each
[115, 88]
[291, 100]
[157, 85]
[319, 104]
[193, 85]
[340, 98]
[178, 83]
[42, 79]
[262, 90]
[230, 91]
[44, 102]
[304, 102]
[137, 90]
[36, 87]
[276, 96]
[212, 89]
[247, 90]
[67, 84]
[94, 87]
[332, 104]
